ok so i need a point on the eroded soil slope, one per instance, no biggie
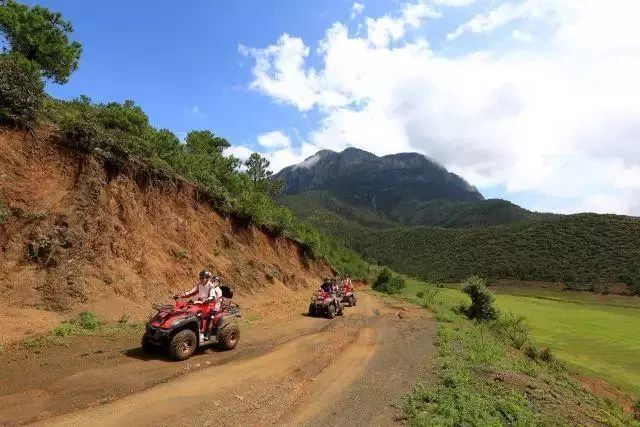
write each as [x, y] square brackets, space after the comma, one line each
[84, 235]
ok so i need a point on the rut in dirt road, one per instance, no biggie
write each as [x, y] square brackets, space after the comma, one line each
[349, 371]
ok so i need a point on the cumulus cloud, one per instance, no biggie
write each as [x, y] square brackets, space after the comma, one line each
[356, 9]
[522, 36]
[274, 139]
[558, 117]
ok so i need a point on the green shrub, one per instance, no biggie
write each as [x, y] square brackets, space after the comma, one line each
[546, 355]
[88, 320]
[21, 90]
[531, 352]
[384, 277]
[64, 329]
[420, 294]
[388, 283]
[481, 299]
[512, 329]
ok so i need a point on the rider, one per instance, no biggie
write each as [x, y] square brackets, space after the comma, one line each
[326, 285]
[204, 289]
[208, 290]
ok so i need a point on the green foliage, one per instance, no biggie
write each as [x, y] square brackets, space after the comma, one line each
[450, 214]
[546, 355]
[481, 299]
[481, 381]
[64, 329]
[384, 277]
[584, 247]
[512, 329]
[40, 36]
[87, 320]
[21, 90]
[205, 142]
[389, 283]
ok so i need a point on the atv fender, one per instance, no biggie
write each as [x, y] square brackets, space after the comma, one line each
[224, 321]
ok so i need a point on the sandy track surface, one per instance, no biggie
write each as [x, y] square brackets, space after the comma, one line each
[301, 371]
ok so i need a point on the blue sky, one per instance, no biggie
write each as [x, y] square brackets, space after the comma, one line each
[182, 64]
[534, 101]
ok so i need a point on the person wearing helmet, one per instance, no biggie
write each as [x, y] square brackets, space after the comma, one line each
[326, 285]
[205, 289]
[208, 291]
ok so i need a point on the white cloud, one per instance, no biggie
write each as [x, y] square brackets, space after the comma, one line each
[559, 117]
[522, 36]
[506, 13]
[238, 151]
[274, 139]
[356, 9]
[454, 3]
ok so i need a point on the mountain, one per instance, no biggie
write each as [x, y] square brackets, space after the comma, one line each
[378, 184]
[409, 213]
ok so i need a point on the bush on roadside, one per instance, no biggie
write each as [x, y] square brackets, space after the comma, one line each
[531, 352]
[88, 320]
[64, 329]
[21, 90]
[481, 299]
[546, 355]
[388, 283]
[511, 329]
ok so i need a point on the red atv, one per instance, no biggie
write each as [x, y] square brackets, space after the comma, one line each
[348, 295]
[182, 328]
[326, 304]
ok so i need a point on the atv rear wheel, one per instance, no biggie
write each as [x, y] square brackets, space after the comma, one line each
[229, 336]
[183, 344]
[331, 311]
[312, 309]
[352, 301]
[340, 310]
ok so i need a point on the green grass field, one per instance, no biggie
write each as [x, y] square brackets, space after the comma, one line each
[598, 335]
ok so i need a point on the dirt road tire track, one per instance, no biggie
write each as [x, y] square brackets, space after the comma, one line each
[349, 371]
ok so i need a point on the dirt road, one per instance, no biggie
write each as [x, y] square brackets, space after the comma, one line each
[302, 371]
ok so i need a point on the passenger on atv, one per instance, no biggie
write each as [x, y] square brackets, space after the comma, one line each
[207, 288]
[327, 286]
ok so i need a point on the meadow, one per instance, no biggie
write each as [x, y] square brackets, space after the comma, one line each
[597, 335]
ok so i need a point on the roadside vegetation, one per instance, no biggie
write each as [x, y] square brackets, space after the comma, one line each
[495, 371]
[84, 324]
[37, 48]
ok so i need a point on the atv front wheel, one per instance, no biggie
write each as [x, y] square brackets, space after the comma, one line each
[183, 344]
[147, 346]
[331, 311]
[229, 336]
[312, 310]
[352, 301]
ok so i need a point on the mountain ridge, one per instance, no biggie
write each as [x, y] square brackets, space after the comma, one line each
[440, 239]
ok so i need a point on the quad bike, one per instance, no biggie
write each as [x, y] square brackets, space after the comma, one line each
[326, 304]
[348, 295]
[182, 328]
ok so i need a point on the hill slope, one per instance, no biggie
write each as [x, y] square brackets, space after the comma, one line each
[451, 239]
[584, 247]
[81, 233]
